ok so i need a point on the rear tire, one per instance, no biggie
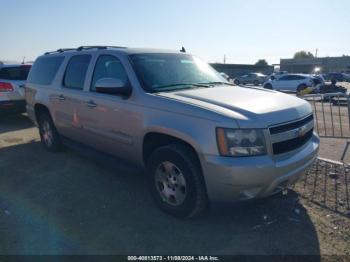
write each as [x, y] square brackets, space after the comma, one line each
[49, 136]
[268, 86]
[301, 88]
[176, 182]
[256, 82]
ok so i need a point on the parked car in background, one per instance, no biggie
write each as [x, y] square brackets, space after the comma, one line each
[170, 113]
[346, 77]
[318, 79]
[226, 76]
[12, 79]
[278, 74]
[251, 78]
[337, 77]
[290, 82]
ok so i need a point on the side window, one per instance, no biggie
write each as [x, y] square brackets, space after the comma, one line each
[285, 78]
[299, 77]
[44, 70]
[75, 74]
[108, 66]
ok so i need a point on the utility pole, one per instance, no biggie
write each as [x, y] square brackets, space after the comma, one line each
[316, 52]
[224, 59]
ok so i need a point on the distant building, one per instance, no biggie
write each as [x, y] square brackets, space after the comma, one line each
[307, 65]
[234, 70]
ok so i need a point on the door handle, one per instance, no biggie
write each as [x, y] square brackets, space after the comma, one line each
[90, 104]
[61, 98]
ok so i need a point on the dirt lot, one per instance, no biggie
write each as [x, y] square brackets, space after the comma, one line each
[68, 204]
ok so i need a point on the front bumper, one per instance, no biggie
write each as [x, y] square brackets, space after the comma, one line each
[230, 179]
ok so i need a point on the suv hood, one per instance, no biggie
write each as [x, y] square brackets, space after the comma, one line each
[253, 107]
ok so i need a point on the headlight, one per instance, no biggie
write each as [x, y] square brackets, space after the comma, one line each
[241, 142]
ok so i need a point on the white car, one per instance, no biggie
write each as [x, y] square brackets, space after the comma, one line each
[290, 82]
[12, 79]
[278, 74]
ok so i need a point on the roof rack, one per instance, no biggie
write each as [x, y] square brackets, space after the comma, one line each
[80, 48]
[61, 50]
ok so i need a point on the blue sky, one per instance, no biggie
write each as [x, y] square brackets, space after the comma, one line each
[244, 30]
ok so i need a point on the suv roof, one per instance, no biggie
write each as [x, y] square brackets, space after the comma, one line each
[126, 50]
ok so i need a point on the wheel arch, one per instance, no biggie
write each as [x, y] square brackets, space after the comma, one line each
[155, 139]
[40, 108]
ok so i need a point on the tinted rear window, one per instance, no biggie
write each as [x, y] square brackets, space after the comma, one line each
[44, 70]
[14, 73]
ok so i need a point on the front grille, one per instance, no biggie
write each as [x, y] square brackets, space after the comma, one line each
[288, 137]
[290, 126]
[292, 144]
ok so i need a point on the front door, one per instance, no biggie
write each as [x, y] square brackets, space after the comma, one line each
[109, 121]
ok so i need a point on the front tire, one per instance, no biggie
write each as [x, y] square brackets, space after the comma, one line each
[49, 136]
[236, 82]
[176, 182]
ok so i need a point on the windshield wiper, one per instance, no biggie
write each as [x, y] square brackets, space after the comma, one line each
[216, 83]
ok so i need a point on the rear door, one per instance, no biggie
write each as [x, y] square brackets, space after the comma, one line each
[69, 100]
[251, 78]
[293, 82]
[300, 80]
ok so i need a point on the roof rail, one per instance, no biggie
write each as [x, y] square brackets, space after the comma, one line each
[80, 48]
[61, 50]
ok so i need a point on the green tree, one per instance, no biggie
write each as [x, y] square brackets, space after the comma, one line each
[261, 62]
[303, 54]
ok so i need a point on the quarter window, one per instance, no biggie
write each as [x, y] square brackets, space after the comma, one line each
[108, 66]
[44, 70]
[76, 72]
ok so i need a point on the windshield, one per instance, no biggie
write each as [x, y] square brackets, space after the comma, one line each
[167, 72]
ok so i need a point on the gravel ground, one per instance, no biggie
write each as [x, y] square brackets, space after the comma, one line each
[68, 204]
[333, 148]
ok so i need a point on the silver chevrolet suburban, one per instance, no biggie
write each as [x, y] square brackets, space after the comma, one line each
[199, 138]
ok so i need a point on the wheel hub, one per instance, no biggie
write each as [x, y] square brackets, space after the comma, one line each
[47, 133]
[170, 183]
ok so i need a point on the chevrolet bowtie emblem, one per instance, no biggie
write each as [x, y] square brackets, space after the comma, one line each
[302, 131]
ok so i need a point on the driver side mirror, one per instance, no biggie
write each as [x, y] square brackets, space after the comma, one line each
[112, 86]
